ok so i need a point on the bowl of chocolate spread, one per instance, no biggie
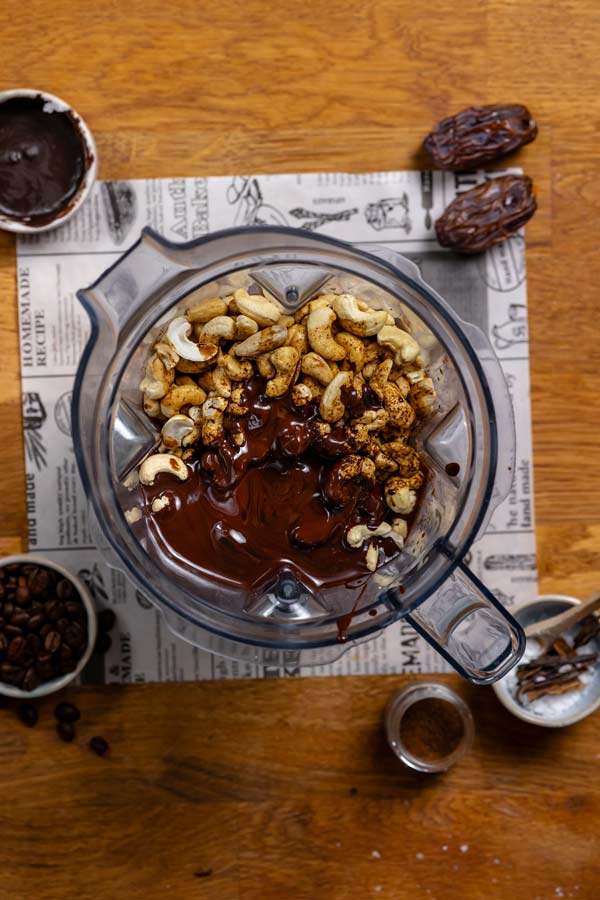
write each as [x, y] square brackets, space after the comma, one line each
[48, 161]
[289, 444]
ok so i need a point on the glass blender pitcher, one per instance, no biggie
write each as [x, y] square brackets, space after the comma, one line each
[287, 623]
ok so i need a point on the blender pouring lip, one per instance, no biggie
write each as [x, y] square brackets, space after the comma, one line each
[396, 603]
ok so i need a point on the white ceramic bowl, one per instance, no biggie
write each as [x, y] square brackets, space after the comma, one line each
[49, 687]
[7, 222]
[580, 703]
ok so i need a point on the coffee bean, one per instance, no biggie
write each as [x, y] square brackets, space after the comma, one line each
[75, 636]
[39, 581]
[106, 620]
[36, 621]
[45, 629]
[75, 609]
[58, 612]
[9, 609]
[99, 745]
[65, 731]
[36, 608]
[52, 641]
[2, 590]
[46, 667]
[11, 674]
[67, 712]
[31, 679]
[50, 605]
[12, 568]
[3, 642]
[64, 589]
[12, 630]
[33, 645]
[103, 643]
[16, 650]
[28, 714]
[62, 625]
[20, 618]
[22, 595]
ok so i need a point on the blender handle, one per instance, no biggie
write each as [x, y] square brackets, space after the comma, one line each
[465, 623]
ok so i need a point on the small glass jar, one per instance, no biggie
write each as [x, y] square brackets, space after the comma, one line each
[396, 709]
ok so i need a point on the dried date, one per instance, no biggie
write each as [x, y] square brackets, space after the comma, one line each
[487, 214]
[479, 134]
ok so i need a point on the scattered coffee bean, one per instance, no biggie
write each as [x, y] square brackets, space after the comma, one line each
[27, 714]
[52, 641]
[98, 745]
[202, 873]
[106, 620]
[67, 712]
[65, 731]
[103, 643]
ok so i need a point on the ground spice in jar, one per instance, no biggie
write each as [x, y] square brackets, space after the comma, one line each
[431, 729]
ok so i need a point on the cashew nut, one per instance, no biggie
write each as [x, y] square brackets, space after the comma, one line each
[132, 480]
[285, 360]
[261, 342]
[159, 503]
[401, 413]
[265, 366]
[193, 368]
[354, 347]
[313, 385]
[162, 463]
[221, 328]
[401, 342]
[380, 376]
[236, 369]
[178, 336]
[151, 407]
[181, 395]
[315, 366]
[175, 429]
[406, 457]
[257, 307]
[403, 385]
[374, 419]
[214, 407]
[195, 414]
[372, 557]
[287, 321]
[244, 327]
[212, 431]
[301, 394]
[320, 337]
[321, 302]
[158, 379]
[237, 406]
[298, 338]
[221, 382]
[166, 354]
[331, 406]
[399, 496]
[423, 396]
[206, 310]
[361, 322]
[133, 515]
[358, 534]
[400, 528]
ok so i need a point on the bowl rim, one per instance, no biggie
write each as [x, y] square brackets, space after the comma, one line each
[7, 223]
[509, 703]
[56, 684]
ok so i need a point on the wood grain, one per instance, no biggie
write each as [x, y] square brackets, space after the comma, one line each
[252, 780]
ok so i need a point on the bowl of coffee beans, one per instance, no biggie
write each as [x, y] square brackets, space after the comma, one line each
[47, 626]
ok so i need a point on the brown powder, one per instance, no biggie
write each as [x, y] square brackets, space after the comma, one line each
[431, 729]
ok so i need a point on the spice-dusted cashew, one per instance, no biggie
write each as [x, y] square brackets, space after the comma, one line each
[359, 534]
[206, 310]
[175, 429]
[354, 347]
[237, 405]
[380, 376]
[167, 355]
[315, 388]
[298, 338]
[244, 327]
[315, 366]
[400, 412]
[406, 457]
[374, 419]
[159, 503]
[285, 320]
[320, 336]
[301, 394]
[152, 407]
[221, 328]
[221, 381]
[212, 431]
[160, 463]
[238, 370]
[158, 379]
[399, 496]
[361, 322]
[331, 407]
[423, 396]
[262, 342]
[321, 302]
[265, 366]
[401, 342]
[181, 395]
[178, 336]
[285, 360]
[257, 307]
[214, 407]
[194, 368]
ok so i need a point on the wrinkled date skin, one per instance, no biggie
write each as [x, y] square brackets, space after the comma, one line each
[479, 134]
[487, 214]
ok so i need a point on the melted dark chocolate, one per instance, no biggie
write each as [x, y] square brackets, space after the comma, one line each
[274, 503]
[42, 160]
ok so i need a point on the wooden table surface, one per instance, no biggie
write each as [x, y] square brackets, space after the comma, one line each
[287, 790]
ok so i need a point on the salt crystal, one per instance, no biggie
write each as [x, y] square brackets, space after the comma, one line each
[376, 854]
[420, 855]
[445, 847]
[464, 848]
[559, 892]
[378, 888]
[338, 844]
[496, 861]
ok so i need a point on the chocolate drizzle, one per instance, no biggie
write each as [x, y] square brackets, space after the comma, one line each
[42, 160]
[273, 503]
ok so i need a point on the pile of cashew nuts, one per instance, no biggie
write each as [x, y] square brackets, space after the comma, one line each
[201, 363]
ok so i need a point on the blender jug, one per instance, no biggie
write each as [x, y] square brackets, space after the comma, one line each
[286, 622]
